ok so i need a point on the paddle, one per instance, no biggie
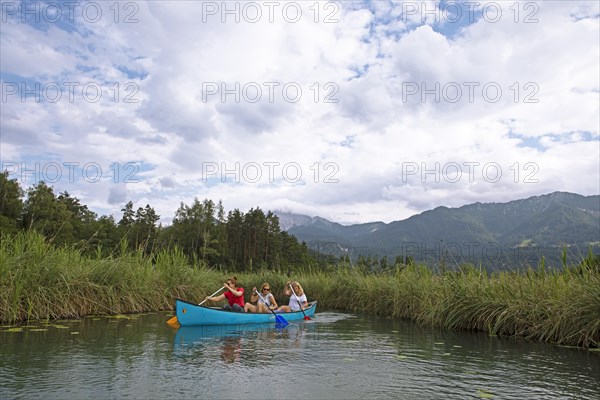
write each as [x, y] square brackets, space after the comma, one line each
[298, 300]
[278, 318]
[173, 321]
[204, 301]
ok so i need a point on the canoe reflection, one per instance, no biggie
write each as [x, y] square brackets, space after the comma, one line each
[230, 336]
[195, 334]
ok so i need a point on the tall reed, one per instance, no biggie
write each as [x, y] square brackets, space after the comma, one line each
[550, 306]
[38, 280]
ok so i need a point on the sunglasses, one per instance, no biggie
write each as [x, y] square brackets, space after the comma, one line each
[267, 289]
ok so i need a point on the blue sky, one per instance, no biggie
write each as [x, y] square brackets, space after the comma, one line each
[353, 111]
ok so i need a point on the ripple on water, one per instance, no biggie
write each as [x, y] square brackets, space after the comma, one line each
[334, 356]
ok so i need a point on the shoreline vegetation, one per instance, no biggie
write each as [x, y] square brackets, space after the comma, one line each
[41, 281]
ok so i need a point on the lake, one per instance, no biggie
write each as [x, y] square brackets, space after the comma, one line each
[335, 356]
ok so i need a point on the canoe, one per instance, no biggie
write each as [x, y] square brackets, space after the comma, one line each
[189, 314]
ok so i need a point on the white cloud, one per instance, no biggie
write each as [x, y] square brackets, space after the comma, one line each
[358, 154]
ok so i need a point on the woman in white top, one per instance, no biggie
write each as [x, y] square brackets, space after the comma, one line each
[261, 306]
[296, 301]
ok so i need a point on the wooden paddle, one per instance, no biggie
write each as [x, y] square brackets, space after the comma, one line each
[173, 321]
[306, 317]
[278, 318]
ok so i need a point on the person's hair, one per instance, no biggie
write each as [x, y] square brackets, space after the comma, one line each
[300, 291]
[234, 280]
[265, 284]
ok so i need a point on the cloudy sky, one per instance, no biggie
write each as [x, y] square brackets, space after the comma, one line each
[356, 111]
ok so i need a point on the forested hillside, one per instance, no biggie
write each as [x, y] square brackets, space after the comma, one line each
[500, 235]
[202, 230]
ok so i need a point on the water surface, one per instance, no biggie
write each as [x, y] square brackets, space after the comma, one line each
[333, 356]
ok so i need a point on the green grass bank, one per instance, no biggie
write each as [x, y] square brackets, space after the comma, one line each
[39, 281]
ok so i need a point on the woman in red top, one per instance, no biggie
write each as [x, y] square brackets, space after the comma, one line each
[233, 294]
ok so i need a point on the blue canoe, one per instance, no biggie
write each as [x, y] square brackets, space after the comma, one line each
[189, 314]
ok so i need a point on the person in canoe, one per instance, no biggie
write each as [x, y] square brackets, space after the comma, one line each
[233, 294]
[261, 306]
[297, 297]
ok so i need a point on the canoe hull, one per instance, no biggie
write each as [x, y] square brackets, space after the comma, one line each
[190, 314]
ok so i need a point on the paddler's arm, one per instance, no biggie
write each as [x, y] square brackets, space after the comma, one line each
[236, 293]
[286, 290]
[253, 296]
[218, 298]
[273, 302]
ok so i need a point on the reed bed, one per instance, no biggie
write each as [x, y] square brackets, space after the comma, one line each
[39, 281]
[561, 307]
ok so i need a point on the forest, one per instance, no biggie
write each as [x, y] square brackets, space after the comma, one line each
[203, 231]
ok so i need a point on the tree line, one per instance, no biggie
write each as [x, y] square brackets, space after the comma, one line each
[202, 230]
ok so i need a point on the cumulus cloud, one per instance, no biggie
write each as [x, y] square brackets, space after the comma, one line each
[364, 111]
[117, 196]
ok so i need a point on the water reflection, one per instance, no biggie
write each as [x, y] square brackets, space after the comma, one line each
[342, 356]
[250, 344]
[190, 335]
[231, 349]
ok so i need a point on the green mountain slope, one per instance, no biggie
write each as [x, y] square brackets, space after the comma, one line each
[471, 232]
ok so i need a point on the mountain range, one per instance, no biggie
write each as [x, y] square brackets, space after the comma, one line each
[509, 234]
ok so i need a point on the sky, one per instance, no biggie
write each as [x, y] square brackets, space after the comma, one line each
[355, 111]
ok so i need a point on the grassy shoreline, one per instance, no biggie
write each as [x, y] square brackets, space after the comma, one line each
[39, 281]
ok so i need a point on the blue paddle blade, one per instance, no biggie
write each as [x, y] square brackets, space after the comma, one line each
[280, 320]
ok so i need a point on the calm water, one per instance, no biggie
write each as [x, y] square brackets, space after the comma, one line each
[333, 356]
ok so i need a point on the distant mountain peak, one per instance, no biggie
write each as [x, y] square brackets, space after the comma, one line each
[289, 220]
[475, 231]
